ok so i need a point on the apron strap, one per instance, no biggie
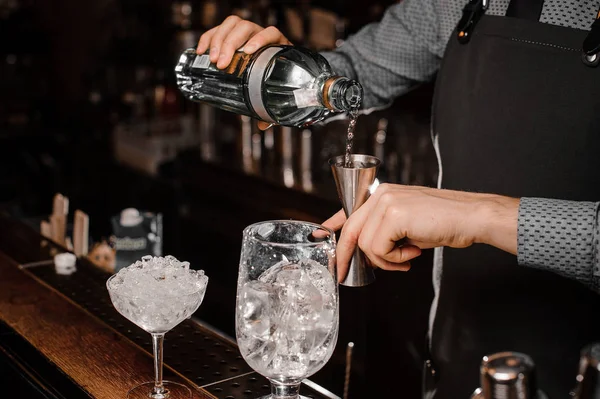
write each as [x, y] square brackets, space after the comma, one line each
[472, 12]
[591, 44]
[531, 10]
[525, 9]
[471, 15]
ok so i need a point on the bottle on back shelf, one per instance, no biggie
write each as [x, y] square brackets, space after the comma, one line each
[287, 85]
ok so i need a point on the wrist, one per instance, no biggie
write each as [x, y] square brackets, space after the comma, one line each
[494, 222]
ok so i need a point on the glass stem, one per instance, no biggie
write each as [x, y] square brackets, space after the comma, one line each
[280, 391]
[157, 346]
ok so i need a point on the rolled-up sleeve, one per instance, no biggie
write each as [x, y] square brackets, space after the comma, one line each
[560, 236]
[391, 56]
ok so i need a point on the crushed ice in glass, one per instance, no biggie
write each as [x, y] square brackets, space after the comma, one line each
[157, 293]
[159, 276]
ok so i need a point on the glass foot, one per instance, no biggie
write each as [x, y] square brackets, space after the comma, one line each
[172, 390]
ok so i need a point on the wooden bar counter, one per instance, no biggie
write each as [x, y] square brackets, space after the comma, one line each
[60, 336]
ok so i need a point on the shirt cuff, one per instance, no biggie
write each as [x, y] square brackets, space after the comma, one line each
[560, 236]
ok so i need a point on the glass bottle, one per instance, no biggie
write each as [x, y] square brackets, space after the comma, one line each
[286, 85]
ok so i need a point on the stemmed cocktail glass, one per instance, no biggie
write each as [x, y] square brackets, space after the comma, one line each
[287, 302]
[157, 294]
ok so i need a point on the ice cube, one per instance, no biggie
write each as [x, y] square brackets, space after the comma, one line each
[270, 275]
[301, 302]
[171, 260]
[327, 318]
[265, 230]
[321, 278]
[287, 274]
[255, 309]
[259, 353]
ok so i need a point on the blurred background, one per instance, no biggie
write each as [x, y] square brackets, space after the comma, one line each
[89, 108]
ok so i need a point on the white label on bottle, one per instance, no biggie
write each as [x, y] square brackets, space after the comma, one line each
[201, 61]
[306, 98]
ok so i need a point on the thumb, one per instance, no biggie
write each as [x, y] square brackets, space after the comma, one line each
[336, 221]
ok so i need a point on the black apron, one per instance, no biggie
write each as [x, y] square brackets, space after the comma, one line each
[517, 113]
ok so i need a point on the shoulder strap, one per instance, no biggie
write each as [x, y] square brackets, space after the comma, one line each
[591, 44]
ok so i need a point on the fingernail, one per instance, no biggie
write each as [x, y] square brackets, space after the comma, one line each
[249, 48]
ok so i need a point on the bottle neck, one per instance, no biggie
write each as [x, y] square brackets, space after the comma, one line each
[342, 94]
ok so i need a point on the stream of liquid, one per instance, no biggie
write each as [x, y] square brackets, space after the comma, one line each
[353, 114]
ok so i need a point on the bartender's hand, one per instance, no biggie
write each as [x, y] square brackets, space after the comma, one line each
[397, 221]
[234, 33]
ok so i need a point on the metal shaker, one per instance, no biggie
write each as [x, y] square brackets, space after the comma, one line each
[507, 375]
[588, 377]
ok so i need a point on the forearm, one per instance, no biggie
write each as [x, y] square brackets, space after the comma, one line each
[390, 57]
[555, 235]
[560, 236]
[495, 221]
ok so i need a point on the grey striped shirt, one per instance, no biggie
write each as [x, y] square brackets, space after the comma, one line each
[405, 48]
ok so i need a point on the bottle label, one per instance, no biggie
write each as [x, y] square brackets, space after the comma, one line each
[306, 98]
[130, 244]
[201, 61]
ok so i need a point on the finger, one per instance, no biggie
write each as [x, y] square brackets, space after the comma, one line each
[345, 249]
[389, 232]
[336, 221]
[236, 38]
[220, 35]
[371, 228]
[264, 125]
[402, 254]
[204, 42]
[348, 241]
[389, 266]
[393, 258]
[270, 35]
[351, 232]
[422, 244]
[352, 229]
[320, 233]
[342, 271]
[397, 267]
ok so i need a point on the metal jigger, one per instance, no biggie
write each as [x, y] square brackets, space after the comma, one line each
[353, 189]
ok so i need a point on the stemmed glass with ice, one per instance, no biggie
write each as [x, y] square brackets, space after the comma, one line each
[287, 302]
[157, 294]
